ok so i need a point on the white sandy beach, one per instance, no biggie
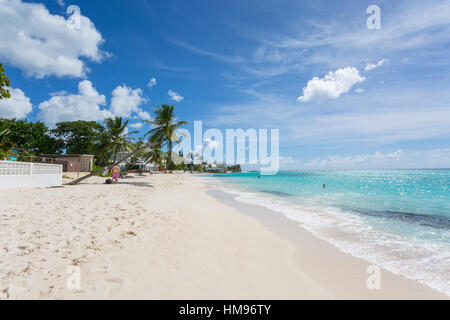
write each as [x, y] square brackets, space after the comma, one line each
[166, 237]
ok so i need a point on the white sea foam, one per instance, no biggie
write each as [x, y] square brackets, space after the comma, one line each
[424, 261]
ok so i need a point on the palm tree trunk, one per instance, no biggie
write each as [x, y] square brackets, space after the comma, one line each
[169, 156]
[115, 153]
[110, 167]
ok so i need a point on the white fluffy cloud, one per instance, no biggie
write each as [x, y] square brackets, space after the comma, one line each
[332, 86]
[288, 161]
[375, 160]
[136, 125]
[85, 105]
[371, 66]
[18, 106]
[42, 44]
[175, 96]
[152, 83]
[69, 107]
[126, 101]
[359, 90]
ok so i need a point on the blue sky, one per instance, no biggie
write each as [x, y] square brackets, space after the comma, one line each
[343, 96]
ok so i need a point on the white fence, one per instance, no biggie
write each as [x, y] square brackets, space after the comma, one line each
[23, 174]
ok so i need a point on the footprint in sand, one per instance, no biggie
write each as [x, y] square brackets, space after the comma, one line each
[98, 288]
[114, 285]
[103, 269]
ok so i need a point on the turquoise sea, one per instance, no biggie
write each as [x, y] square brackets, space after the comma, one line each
[397, 219]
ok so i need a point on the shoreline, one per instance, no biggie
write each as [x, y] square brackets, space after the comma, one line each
[168, 237]
[347, 278]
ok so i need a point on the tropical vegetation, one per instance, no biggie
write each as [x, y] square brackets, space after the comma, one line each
[33, 137]
[165, 129]
[109, 142]
[4, 84]
[116, 138]
[78, 137]
[5, 143]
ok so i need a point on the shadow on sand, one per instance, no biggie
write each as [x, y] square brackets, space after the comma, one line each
[138, 184]
[131, 183]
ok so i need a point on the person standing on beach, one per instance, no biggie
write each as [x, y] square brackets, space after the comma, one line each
[115, 174]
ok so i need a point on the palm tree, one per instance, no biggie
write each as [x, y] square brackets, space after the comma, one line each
[154, 155]
[147, 154]
[190, 160]
[115, 137]
[165, 125]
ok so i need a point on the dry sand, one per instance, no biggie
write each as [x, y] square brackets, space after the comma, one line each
[166, 237]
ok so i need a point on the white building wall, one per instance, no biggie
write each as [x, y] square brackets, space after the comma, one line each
[23, 174]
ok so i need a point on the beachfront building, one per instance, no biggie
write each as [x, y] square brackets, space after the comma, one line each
[83, 163]
[215, 167]
[144, 167]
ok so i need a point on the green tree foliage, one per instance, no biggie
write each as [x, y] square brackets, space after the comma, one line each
[155, 155]
[139, 156]
[115, 137]
[198, 167]
[5, 142]
[79, 137]
[34, 137]
[165, 126]
[236, 168]
[4, 83]
[89, 137]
